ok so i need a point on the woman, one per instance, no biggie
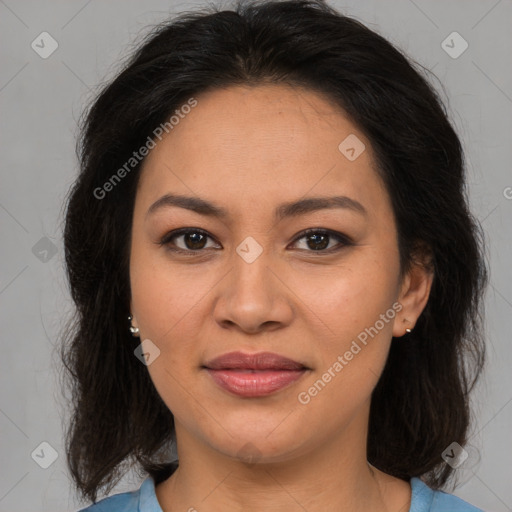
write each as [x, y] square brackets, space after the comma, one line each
[275, 272]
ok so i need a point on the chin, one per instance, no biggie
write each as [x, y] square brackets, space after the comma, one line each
[258, 441]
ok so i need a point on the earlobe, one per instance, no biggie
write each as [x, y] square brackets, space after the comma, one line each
[134, 329]
[413, 297]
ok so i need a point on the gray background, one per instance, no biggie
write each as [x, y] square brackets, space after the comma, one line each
[41, 101]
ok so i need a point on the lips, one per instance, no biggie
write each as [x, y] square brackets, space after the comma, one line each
[259, 361]
[254, 375]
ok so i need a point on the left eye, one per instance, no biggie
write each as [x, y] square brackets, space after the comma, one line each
[318, 240]
[194, 240]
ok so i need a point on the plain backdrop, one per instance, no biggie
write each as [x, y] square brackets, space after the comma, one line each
[41, 100]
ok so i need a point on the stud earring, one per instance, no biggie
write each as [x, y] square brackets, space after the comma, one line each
[133, 330]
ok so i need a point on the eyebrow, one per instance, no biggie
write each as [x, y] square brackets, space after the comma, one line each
[290, 209]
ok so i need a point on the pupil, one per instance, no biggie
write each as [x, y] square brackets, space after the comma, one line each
[194, 243]
[316, 237]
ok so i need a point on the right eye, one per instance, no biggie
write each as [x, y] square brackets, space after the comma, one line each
[194, 240]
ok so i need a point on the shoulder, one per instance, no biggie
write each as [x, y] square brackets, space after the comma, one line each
[125, 501]
[142, 500]
[425, 499]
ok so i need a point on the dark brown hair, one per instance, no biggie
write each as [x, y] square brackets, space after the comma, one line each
[420, 404]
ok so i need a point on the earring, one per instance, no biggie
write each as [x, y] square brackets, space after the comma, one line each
[133, 330]
[407, 330]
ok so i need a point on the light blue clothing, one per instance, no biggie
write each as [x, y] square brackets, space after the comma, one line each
[423, 499]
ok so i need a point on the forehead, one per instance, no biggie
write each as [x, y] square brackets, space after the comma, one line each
[259, 144]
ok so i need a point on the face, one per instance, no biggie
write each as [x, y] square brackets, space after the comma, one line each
[251, 281]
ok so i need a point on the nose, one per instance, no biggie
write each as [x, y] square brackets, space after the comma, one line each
[254, 297]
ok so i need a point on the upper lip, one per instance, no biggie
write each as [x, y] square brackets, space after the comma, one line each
[257, 361]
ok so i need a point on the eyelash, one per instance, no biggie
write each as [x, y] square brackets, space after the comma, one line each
[344, 240]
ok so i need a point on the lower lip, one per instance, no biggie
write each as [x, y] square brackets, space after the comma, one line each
[254, 383]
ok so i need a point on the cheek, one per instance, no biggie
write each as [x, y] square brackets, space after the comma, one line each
[350, 359]
[166, 304]
[164, 296]
[353, 309]
[345, 300]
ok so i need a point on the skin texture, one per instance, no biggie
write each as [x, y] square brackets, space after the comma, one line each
[249, 149]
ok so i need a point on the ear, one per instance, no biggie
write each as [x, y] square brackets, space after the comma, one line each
[134, 319]
[414, 291]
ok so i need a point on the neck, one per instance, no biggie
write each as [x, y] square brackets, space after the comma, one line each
[334, 475]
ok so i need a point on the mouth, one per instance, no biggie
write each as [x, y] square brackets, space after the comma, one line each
[254, 375]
